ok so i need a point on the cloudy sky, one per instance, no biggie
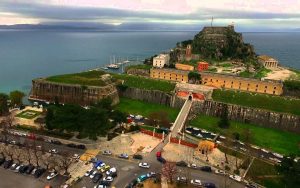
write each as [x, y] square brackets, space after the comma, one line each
[283, 14]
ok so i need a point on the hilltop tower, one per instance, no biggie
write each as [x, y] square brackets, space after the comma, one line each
[188, 52]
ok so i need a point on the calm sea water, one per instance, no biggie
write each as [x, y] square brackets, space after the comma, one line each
[25, 55]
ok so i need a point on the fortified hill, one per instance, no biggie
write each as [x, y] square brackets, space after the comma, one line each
[221, 43]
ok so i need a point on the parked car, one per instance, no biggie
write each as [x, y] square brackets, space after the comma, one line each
[81, 146]
[92, 175]
[71, 145]
[108, 178]
[57, 142]
[98, 163]
[29, 169]
[39, 172]
[88, 173]
[151, 174]
[194, 165]
[209, 185]
[106, 152]
[236, 178]
[136, 156]
[97, 177]
[111, 170]
[219, 172]
[196, 182]
[123, 155]
[52, 175]
[162, 160]
[105, 168]
[2, 160]
[144, 165]
[7, 164]
[18, 168]
[182, 179]
[76, 156]
[14, 166]
[181, 163]
[132, 184]
[23, 169]
[142, 178]
[55, 151]
[158, 154]
[101, 166]
[205, 168]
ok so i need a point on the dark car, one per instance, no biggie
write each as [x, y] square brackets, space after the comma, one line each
[23, 169]
[2, 160]
[162, 160]
[97, 177]
[7, 164]
[209, 185]
[140, 157]
[181, 163]
[205, 168]
[56, 142]
[81, 146]
[71, 145]
[29, 169]
[114, 174]
[39, 172]
[132, 184]
[104, 183]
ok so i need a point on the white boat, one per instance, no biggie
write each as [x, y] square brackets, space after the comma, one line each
[113, 66]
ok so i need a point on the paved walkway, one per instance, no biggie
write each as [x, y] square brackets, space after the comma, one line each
[181, 118]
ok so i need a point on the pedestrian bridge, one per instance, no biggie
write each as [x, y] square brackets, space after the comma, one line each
[181, 118]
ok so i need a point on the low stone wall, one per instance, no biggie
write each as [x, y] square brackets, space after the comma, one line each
[152, 96]
[138, 72]
[256, 116]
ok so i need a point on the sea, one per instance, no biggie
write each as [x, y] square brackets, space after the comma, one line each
[29, 54]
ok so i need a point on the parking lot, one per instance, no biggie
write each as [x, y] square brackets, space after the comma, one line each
[10, 179]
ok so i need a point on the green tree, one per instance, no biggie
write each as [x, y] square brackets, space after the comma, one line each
[290, 170]
[194, 77]
[3, 104]
[118, 116]
[16, 98]
[224, 122]
[105, 103]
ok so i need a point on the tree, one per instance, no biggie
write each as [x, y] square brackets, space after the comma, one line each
[159, 118]
[118, 116]
[205, 147]
[224, 122]
[290, 170]
[169, 171]
[16, 98]
[3, 104]
[194, 77]
[6, 125]
[65, 162]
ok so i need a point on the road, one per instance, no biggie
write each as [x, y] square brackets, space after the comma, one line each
[180, 120]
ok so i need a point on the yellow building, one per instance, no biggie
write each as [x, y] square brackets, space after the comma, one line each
[267, 61]
[170, 74]
[243, 84]
[185, 67]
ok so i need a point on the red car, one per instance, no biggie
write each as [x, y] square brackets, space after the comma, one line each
[158, 154]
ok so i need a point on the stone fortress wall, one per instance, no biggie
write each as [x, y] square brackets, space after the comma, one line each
[43, 90]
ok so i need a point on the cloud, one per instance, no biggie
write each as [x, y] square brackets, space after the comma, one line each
[90, 11]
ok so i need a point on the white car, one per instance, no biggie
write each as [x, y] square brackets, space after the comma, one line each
[111, 170]
[53, 151]
[255, 147]
[144, 165]
[193, 165]
[92, 175]
[52, 175]
[76, 156]
[106, 152]
[236, 177]
[219, 171]
[278, 155]
[199, 135]
[222, 137]
[108, 178]
[196, 182]
[87, 173]
[264, 150]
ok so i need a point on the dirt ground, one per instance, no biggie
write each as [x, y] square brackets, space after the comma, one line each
[130, 144]
[280, 74]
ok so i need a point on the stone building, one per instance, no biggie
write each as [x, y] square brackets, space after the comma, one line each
[185, 67]
[161, 60]
[188, 52]
[267, 61]
[244, 84]
[170, 74]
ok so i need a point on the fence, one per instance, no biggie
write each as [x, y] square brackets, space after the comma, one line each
[150, 133]
[182, 142]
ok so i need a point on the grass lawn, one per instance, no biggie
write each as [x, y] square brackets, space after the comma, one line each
[132, 106]
[261, 168]
[90, 78]
[246, 74]
[28, 114]
[145, 83]
[262, 73]
[273, 139]
[140, 66]
[273, 103]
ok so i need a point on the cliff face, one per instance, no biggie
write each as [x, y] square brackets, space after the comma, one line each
[67, 93]
[221, 43]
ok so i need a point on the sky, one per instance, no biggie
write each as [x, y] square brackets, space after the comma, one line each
[271, 14]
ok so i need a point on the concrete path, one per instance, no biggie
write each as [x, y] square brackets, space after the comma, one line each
[181, 118]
